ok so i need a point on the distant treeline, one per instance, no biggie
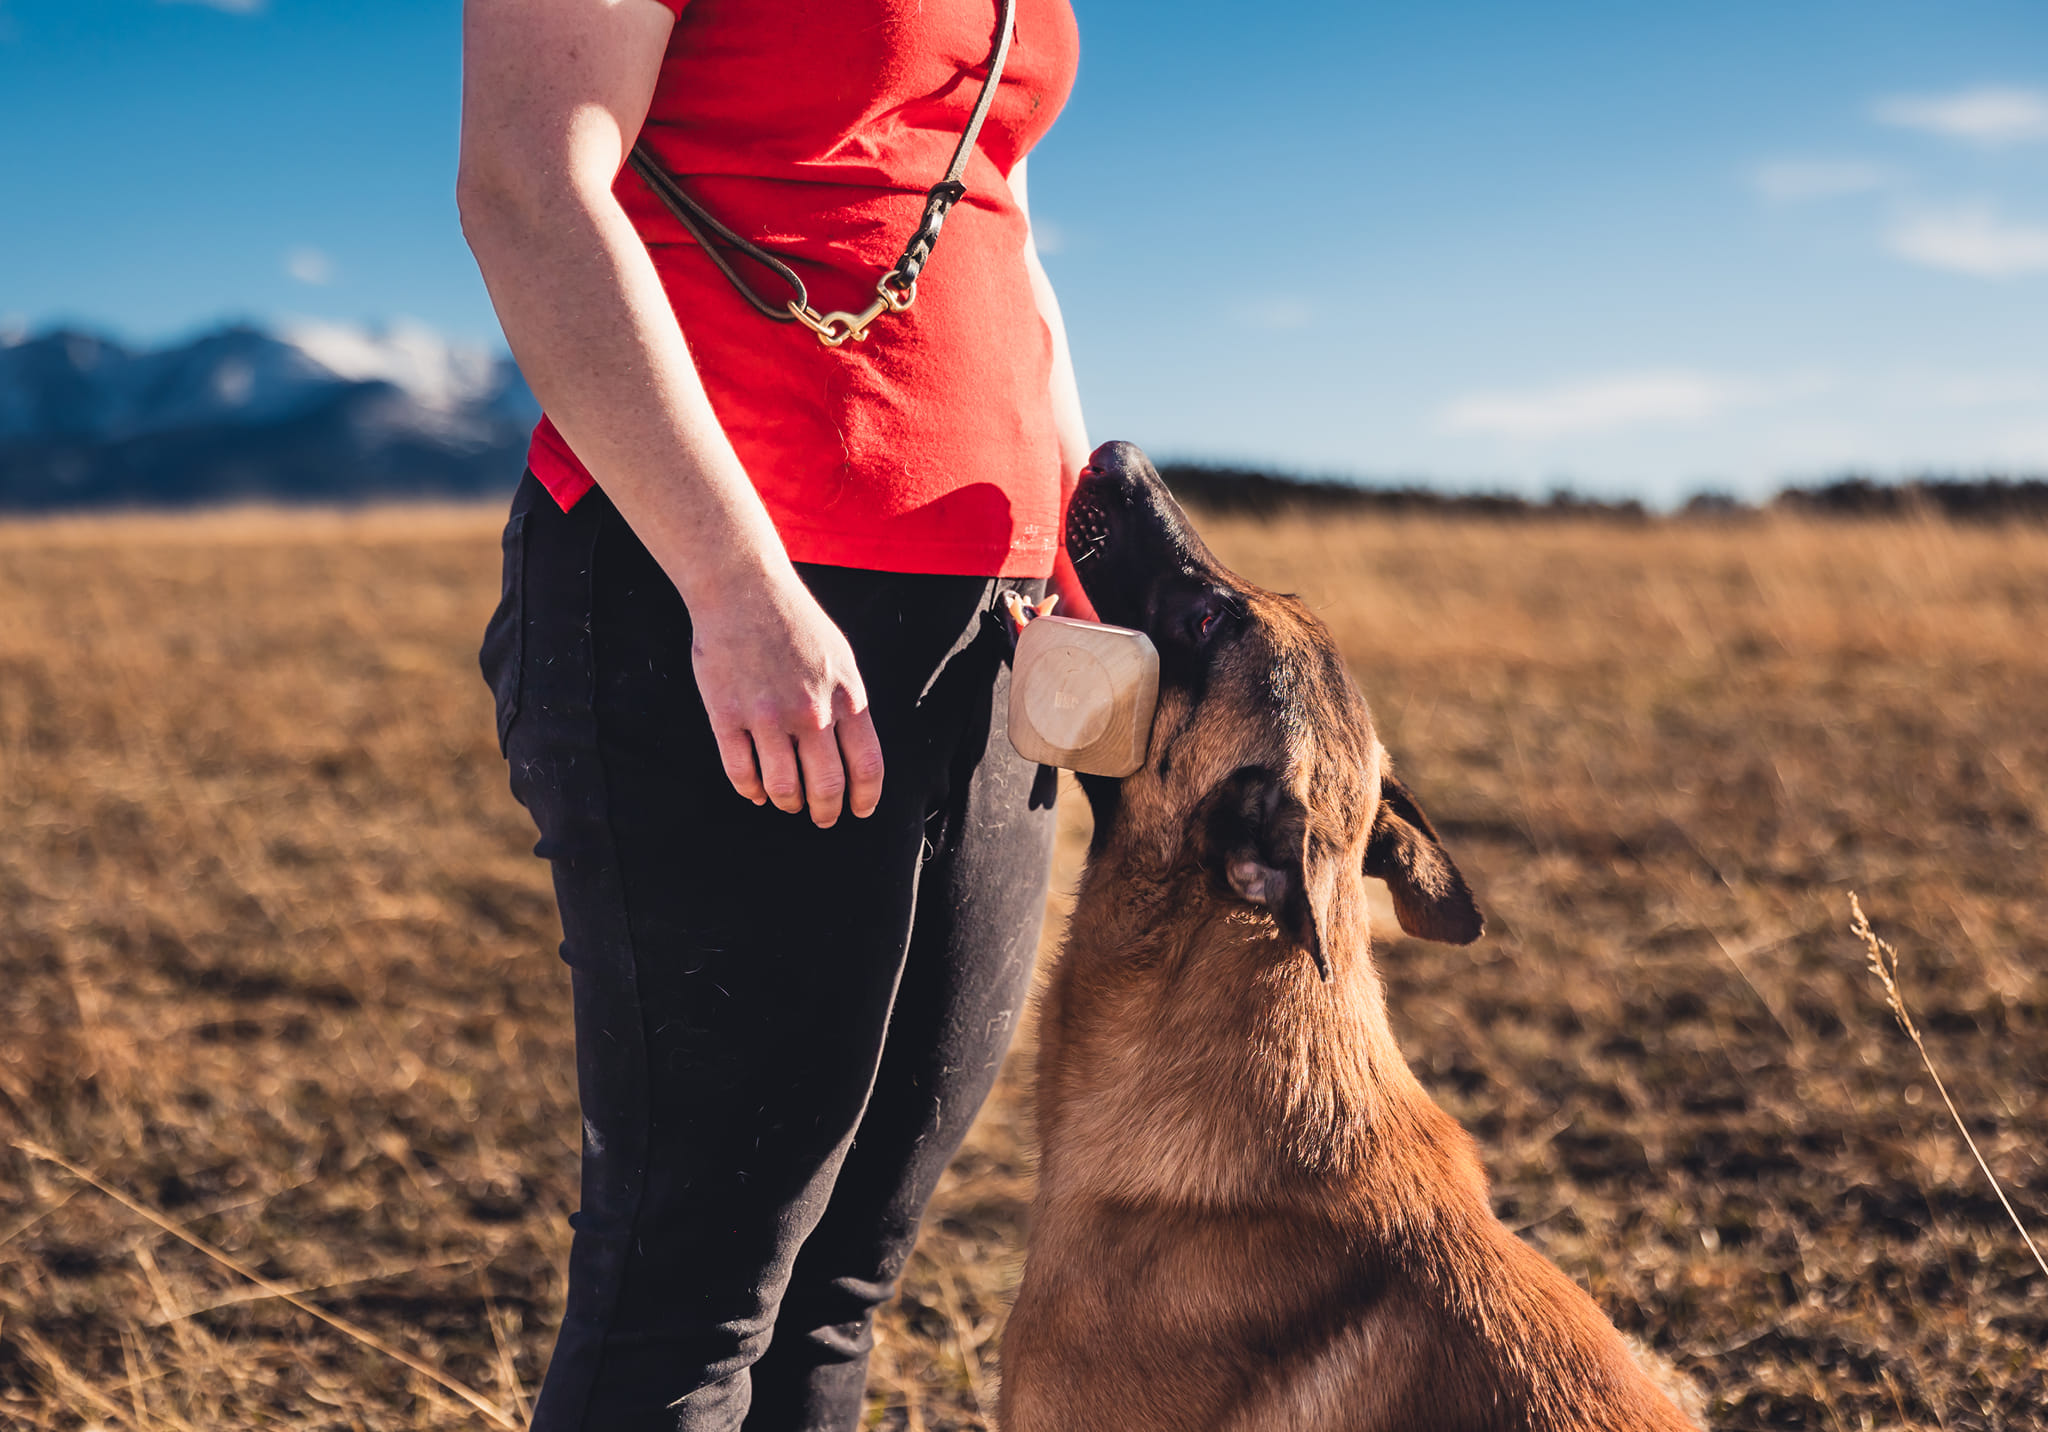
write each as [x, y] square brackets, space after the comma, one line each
[1255, 493]
[1975, 499]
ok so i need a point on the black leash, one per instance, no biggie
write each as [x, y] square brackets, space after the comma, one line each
[896, 290]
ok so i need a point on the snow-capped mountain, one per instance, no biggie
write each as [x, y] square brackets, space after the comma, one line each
[312, 411]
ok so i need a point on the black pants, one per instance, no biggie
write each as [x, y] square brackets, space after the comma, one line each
[782, 1033]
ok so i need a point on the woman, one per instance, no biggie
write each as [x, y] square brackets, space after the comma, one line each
[747, 589]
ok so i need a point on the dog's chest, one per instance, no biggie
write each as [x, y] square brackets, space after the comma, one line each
[1167, 1317]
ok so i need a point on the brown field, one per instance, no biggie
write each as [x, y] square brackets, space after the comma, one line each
[275, 963]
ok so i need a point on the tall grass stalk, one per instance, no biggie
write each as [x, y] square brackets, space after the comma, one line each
[342, 1325]
[1884, 963]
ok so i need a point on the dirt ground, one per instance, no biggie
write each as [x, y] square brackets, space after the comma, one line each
[276, 966]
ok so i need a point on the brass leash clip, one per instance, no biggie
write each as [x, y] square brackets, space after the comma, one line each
[835, 328]
[897, 289]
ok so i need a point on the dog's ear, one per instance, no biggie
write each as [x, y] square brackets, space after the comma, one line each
[1256, 848]
[1430, 896]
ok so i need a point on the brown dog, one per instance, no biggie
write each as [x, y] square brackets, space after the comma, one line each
[1250, 1215]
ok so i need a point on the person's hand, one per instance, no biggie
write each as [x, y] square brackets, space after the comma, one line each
[1020, 613]
[786, 701]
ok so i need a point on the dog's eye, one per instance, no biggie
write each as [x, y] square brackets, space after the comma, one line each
[1208, 619]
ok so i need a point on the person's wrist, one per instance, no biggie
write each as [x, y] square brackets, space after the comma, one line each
[732, 574]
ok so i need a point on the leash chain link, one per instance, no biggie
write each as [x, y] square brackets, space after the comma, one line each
[896, 290]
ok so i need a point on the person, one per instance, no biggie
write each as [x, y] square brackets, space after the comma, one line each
[746, 674]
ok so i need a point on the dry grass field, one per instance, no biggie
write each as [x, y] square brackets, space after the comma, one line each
[277, 968]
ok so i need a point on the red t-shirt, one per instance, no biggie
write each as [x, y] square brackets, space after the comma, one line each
[814, 127]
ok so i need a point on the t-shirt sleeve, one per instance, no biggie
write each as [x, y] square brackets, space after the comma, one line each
[674, 7]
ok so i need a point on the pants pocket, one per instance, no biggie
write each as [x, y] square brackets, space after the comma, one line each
[504, 650]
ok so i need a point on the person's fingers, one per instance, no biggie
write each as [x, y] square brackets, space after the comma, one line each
[736, 753]
[779, 769]
[824, 778]
[861, 752]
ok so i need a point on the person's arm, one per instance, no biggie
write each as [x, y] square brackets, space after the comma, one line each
[1066, 405]
[554, 94]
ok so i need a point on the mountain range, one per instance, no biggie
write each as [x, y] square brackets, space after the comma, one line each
[307, 412]
[330, 413]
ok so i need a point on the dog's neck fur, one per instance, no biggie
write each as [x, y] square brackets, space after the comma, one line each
[1162, 988]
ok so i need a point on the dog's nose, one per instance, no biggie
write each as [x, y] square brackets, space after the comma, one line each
[1122, 502]
[1121, 468]
[1112, 485]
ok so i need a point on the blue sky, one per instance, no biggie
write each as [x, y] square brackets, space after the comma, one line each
[1635, 247]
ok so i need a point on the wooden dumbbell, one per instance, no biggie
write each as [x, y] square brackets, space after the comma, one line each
[1082, 694]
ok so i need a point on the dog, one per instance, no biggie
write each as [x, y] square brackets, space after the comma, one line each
[1250, 1215]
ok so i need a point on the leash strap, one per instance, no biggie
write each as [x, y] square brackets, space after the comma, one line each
[702, 224]
[896, 290]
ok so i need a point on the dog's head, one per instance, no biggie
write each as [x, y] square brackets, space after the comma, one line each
[1262, 764]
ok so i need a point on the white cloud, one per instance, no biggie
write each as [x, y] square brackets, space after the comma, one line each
[1274, 314]
[1791, 180]
[1048, 236]
[1984, 390]
[233, 7]
[2024, 447]
[309, 265]
[1971, 240]
[1987, 115]
[1594, 405]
